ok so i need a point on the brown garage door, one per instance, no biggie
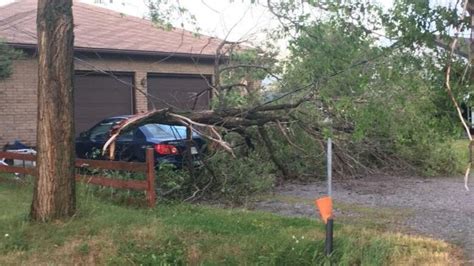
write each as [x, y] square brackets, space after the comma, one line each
[184, 92]
[98, 96]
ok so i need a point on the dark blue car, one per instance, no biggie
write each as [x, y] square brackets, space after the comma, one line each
[168, 142]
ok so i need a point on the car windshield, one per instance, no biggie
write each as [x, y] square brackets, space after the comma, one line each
[165, 131]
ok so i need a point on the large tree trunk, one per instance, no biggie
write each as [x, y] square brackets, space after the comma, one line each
[54, 193]
[470, 9]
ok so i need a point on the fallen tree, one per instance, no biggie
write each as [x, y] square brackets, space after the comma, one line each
[377, 103]
[210, 123]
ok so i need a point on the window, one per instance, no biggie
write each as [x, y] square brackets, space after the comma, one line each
[101, 131]
[164, 131]
[127, 136]
[155, 130]
[139, 135]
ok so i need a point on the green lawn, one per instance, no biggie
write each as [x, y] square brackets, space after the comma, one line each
[107, 233]
[461, 150]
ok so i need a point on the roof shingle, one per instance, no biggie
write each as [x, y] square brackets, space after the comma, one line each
[99, 29]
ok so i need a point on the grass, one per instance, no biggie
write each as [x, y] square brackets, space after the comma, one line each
[461, 151]
[106, 233]
[380, 218]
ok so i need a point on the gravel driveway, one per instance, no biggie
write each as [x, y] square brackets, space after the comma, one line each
[437, 207]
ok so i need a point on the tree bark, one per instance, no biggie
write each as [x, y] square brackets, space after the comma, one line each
[470, 9]
[54, 192]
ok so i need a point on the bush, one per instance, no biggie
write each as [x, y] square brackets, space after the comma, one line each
[7, 55]
[223, 177]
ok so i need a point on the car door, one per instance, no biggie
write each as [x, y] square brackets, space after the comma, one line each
[140, 144]
[125, 146]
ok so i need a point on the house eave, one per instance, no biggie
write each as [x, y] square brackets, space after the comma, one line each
[29, 46]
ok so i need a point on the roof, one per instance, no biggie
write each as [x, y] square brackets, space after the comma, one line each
[101, 30]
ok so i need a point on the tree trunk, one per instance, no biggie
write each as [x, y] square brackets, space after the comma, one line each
[54, 192]
[470, 9]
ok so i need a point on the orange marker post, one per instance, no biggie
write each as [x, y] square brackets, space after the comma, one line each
[324, 206]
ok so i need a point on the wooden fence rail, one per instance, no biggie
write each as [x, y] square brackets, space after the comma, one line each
[148, 168]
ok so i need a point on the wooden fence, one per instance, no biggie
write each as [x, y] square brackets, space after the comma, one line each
[148, 168]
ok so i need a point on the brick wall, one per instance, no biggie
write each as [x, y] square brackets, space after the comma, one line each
[18, 103]
[18, 93]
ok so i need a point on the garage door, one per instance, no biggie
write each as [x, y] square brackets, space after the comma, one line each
[183, 92]
[98, 96]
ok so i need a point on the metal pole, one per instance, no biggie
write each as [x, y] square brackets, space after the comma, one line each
[329, 236]
[330, 221]
[329, 166]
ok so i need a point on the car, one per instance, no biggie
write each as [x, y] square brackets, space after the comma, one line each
[167, 141]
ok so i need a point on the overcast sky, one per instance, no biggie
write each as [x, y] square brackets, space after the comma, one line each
[214, 17]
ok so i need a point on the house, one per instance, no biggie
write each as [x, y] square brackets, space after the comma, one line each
[118, 60]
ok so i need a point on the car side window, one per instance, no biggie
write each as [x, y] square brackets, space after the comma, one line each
[127, 136]
[139, 135]
[100, 131]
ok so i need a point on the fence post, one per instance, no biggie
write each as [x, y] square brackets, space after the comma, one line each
[150, 177]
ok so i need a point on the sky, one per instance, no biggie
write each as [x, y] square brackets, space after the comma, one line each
[232, 20]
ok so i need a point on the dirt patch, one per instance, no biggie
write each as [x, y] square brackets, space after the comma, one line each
[437, 207]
